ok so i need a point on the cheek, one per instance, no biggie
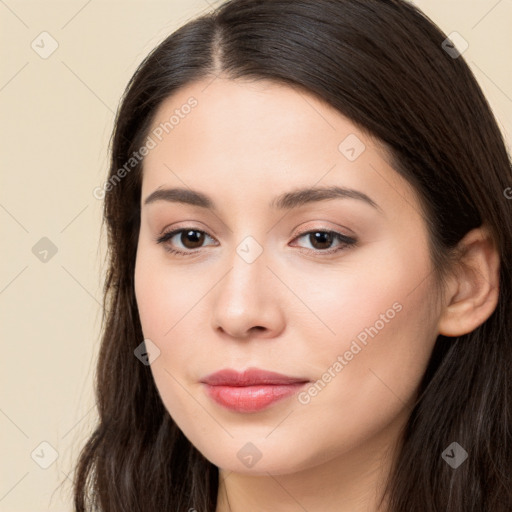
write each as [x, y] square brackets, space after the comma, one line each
[168, 300]
[368, 288]
[163, 305]
[369, 373]
[149, 297]
[378, 318]
[163, 294]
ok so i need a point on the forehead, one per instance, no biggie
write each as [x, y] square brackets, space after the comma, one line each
[254, 113]
[262, 137]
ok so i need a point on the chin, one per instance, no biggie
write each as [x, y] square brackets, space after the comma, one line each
[256, 458]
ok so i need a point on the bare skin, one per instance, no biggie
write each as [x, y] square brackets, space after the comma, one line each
[294, 309]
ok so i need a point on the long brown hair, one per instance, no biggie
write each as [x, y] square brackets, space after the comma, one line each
[382, 64]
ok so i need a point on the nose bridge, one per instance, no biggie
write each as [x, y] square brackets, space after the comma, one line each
[248, 273]
[246, 297]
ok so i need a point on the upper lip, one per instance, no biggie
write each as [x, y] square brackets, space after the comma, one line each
[249, 377]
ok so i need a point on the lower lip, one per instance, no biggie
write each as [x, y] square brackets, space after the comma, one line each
[251, 398]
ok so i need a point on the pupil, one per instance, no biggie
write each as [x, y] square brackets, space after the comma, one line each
[322, 238]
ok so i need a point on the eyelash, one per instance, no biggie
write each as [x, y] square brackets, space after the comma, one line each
[345, 241]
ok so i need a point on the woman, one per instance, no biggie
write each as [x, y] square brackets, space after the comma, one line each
[309, 292]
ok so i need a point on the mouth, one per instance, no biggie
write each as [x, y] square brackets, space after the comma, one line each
[252, 390]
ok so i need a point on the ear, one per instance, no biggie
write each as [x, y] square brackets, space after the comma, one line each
[473, 289]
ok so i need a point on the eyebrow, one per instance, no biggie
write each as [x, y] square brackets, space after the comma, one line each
[286, 201]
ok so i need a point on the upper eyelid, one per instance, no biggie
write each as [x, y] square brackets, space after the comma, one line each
[175, 231]
[166, 231]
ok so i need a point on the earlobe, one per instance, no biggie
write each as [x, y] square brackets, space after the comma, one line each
[473, 292]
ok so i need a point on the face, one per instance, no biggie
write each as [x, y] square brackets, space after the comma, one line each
[332, 289]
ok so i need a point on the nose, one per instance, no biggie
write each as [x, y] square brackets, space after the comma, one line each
[249, 300]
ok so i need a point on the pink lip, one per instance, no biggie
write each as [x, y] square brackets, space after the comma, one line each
[251, 390]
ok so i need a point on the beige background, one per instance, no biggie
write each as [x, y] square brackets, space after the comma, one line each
[57, 116]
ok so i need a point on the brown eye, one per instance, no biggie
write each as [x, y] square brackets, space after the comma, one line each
[321, 239]
[183, 241]
[192, 238]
